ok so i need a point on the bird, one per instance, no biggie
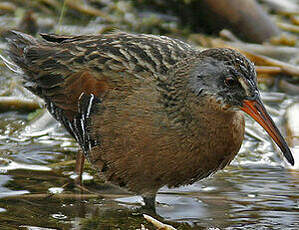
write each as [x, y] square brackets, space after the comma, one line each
[147, 111]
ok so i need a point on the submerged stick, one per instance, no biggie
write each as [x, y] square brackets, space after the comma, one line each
[17, 103]
[58, 196]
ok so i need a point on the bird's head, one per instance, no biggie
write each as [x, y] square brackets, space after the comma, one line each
[230, 79]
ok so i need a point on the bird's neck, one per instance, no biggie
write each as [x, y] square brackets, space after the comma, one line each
[206, 117]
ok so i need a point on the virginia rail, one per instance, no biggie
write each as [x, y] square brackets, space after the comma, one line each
[147, 110]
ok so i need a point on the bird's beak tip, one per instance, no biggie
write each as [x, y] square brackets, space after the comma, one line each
[257, 111]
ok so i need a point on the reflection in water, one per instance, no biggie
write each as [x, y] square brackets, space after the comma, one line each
[239, 198]
[255, 197]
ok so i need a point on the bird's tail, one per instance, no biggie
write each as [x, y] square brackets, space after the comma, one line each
[15, 51]
[71, 104]
[18, 44]
[24, 56]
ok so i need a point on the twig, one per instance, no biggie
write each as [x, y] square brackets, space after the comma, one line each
[268, 69]
[61, 15]
[288, 27]
[62, 163]
[159, 225]
[16, 103]
[86, 9]
[260, 59]
[7, 6]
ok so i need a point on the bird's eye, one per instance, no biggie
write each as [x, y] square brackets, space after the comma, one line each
[230, 81]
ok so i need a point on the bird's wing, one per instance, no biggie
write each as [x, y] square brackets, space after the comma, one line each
[73, 74]
[60, 68]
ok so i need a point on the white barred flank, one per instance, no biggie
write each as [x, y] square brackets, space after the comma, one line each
[79, 126]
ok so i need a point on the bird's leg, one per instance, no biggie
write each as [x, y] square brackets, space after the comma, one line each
[149, 199]
[79, 168]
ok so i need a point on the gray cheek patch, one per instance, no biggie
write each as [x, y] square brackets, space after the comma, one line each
[203, 77]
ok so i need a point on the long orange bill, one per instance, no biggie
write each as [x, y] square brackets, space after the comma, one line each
[257, 111]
